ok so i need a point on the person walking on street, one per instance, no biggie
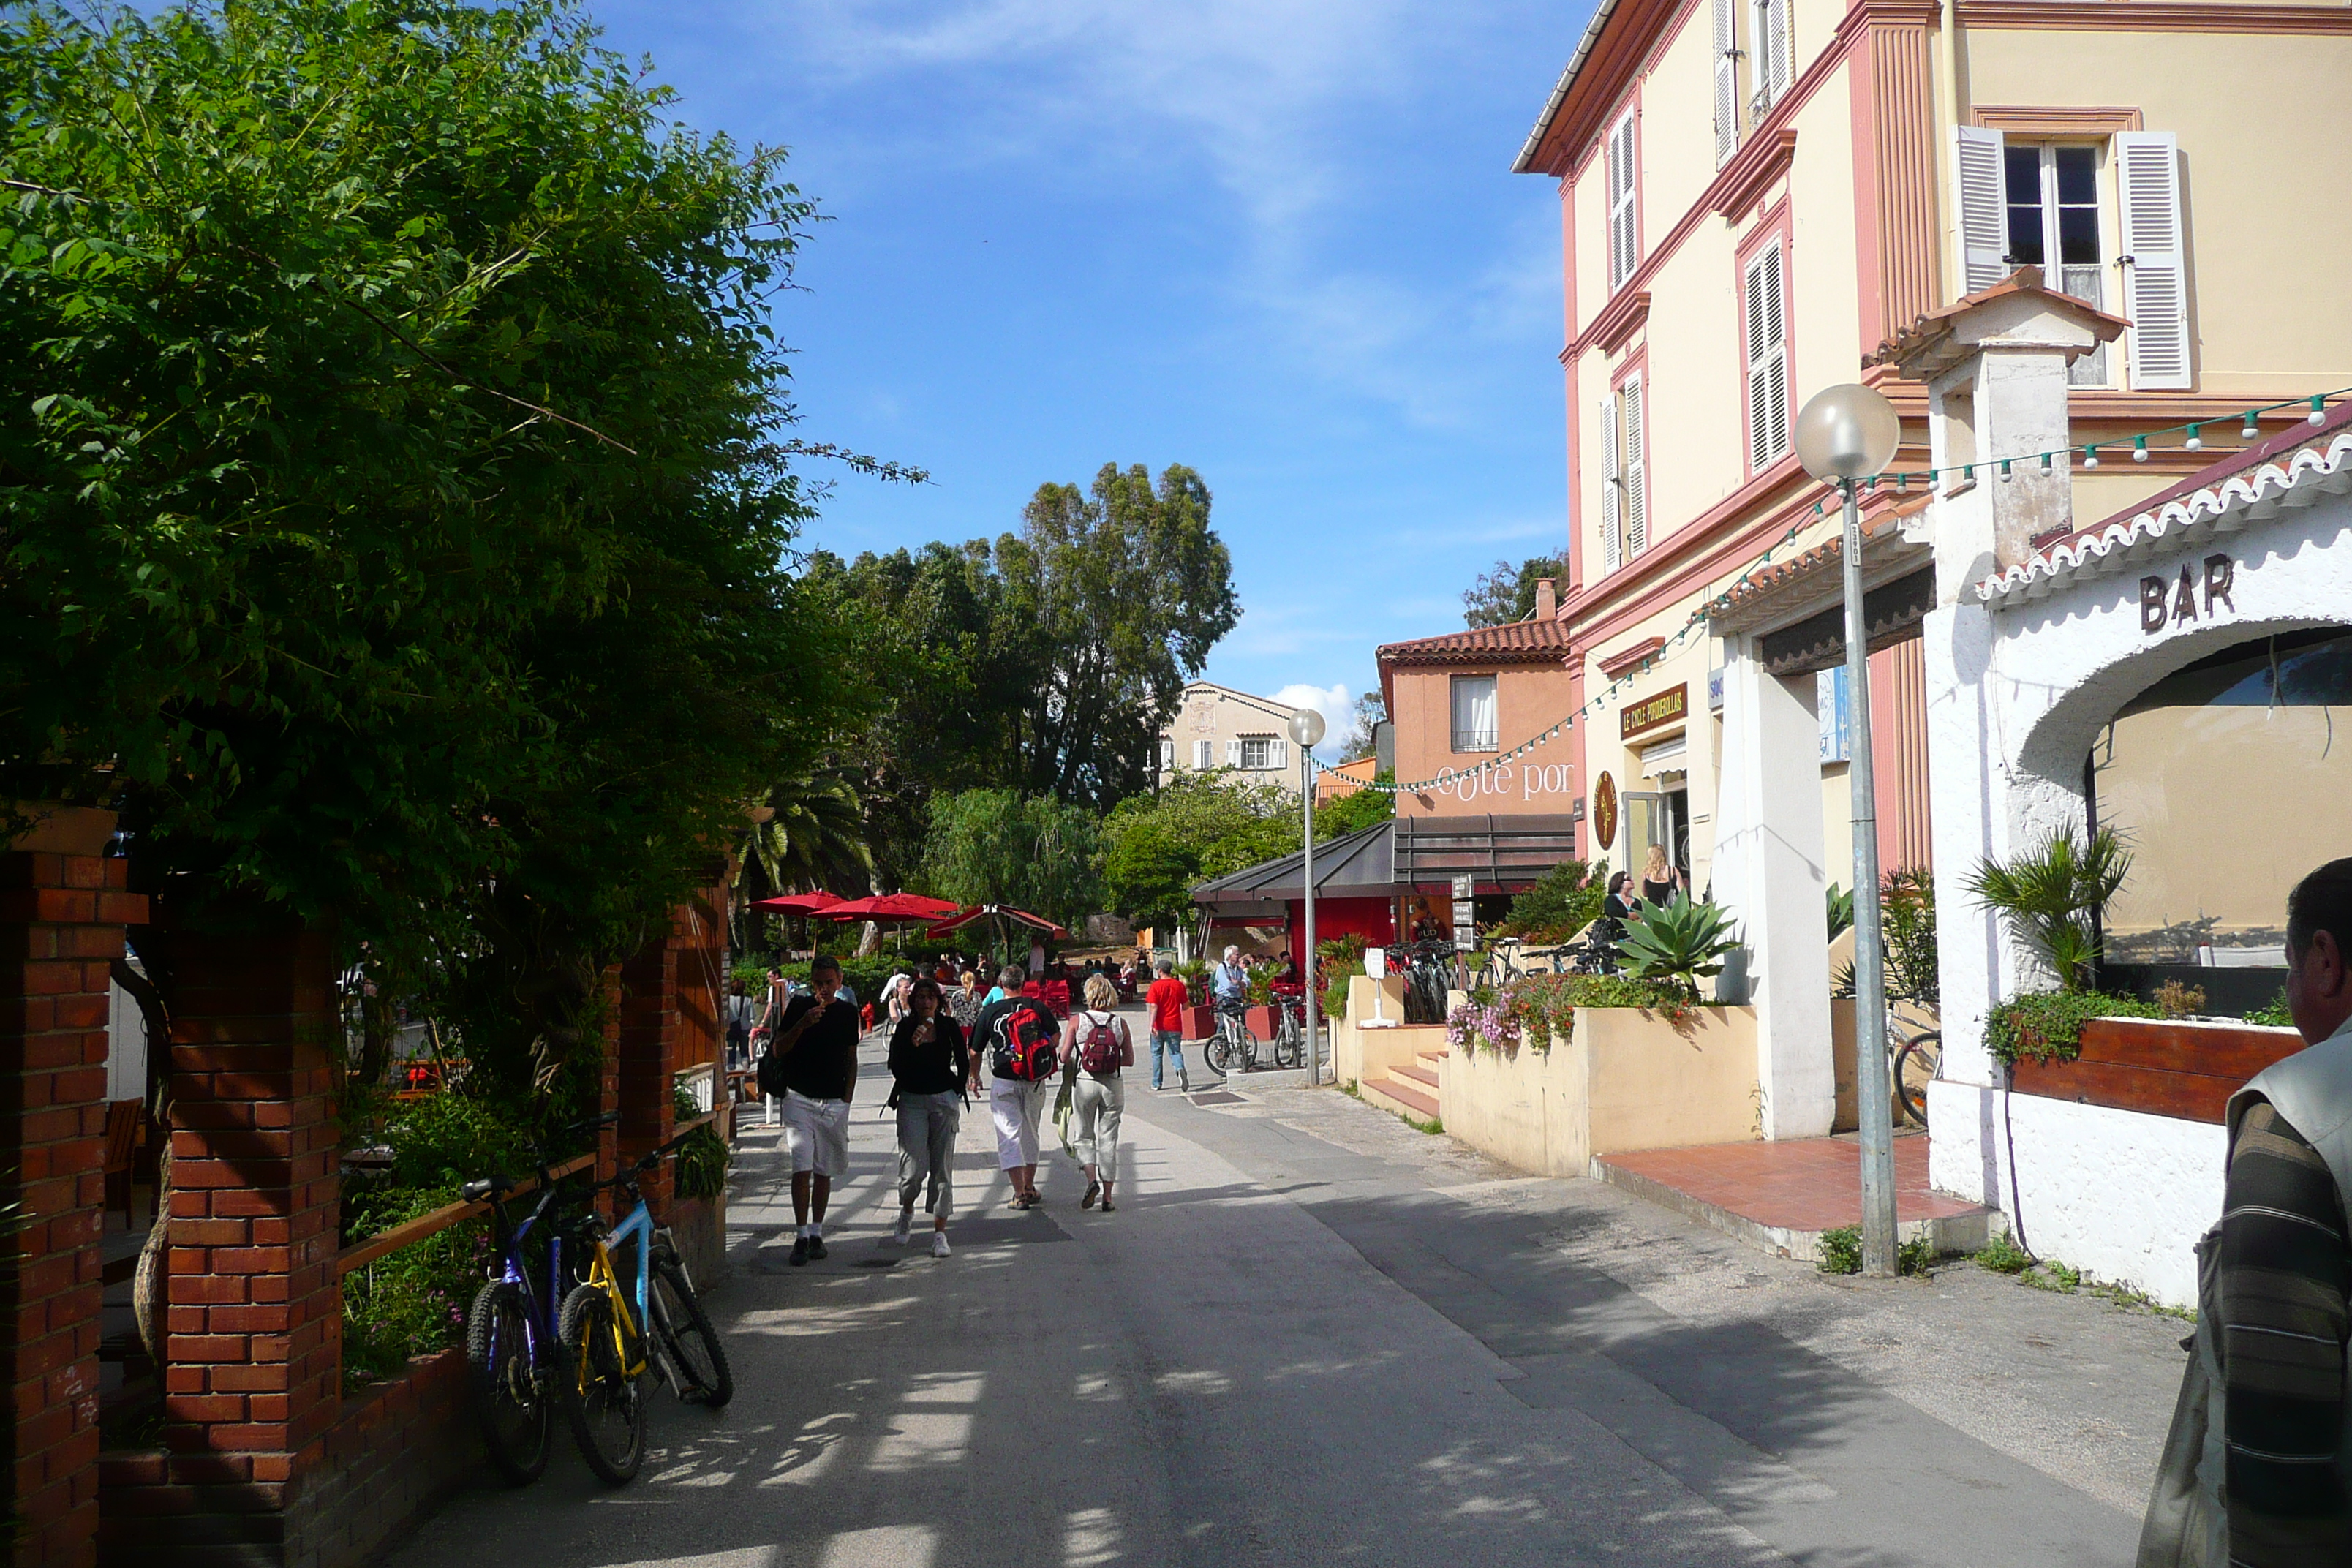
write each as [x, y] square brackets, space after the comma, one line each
[811, 1062]
[932, 1072]
[2273, 1488]
[1007, 1032]
[741, 1013]
[1097, 1043]
[1166, 996]
[965, 1002]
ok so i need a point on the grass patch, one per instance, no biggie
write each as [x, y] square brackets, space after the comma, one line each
[2063, 1279]
[2001, 1255]
[1348, 1088]
[1432, 1126]
[1840, 1252]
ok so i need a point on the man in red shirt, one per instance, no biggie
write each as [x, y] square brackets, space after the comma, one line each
[1167, 998]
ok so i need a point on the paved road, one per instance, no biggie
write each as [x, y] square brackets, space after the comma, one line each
[1311, 1335]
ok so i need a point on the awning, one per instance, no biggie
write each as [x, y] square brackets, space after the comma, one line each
[1666, 757]
[1406, 855]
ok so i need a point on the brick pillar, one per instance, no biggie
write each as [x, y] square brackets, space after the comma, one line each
[62, 910]
[645, 1057]
[254, 1338]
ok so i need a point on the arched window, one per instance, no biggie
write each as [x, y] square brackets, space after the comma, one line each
[2228, 781]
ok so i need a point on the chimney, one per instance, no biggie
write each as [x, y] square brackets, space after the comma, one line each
[1547, 599]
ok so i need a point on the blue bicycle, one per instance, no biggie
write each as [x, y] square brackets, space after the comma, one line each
[612, 1335]
[512, 1346]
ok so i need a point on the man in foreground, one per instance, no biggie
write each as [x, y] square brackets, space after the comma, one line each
[2269, 1488]
[813, 1060]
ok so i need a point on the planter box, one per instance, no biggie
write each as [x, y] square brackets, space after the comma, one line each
[698, 1226]
[2186, 1070]
[1260, 1022]
[1624, 1079]
[1199, 1022]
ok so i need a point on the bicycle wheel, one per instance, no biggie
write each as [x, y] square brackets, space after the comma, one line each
[1915, 1068]
[694, 1348]
[1246, 1043]
[512, 1395]
[608, 1415]
[1288, 1038]
[1217, 1051]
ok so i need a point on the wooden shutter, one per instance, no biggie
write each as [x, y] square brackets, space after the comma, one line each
[1767, 359]
[1279, 755]
[2155, 276]
[1726, 82]
[1984, 218]
[1624, 237]
[1770, 52]
[1233, 753]
[1609, 499]
[1637, 482]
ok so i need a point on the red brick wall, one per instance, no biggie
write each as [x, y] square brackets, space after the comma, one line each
[61, 919]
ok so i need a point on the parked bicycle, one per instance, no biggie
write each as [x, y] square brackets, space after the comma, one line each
[602, 1330]
[1917, 1062]
[512, 1348]
[1430, 970]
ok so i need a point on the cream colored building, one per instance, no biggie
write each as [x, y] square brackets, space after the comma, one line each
[1217, 727]
[1755, 193]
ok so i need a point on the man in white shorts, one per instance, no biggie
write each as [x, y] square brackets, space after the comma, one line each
[1015, 1104]
[815, 1048]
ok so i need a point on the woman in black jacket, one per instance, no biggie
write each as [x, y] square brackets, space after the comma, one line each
[932, 1070]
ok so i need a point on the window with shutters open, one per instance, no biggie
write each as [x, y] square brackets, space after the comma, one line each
[1202, 754]
[1233, 753]
[2154, 257]
[1726, 80]
[1612, 499]
[1624, 218]
[1769, 53]
[1976, 159]
[1765, 304]
[2051, 196]
[1634, 467]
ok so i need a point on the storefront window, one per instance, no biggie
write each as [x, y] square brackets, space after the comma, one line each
[2226, 782]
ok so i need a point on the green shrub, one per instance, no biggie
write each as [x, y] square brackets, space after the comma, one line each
[1841, 909]
[1678, 944]
[2001, 1255]
[1906, 924]
[702, 1162]
[2047, 1025]
[1839, 1250]
[2049, 894]
[2273, 1013]
[1565, 901]
[413, 1302]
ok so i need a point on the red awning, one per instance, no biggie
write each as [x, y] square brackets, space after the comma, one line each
[1018, 917]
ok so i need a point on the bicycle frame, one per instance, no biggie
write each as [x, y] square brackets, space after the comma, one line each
[628, 1326]
[539, 1316]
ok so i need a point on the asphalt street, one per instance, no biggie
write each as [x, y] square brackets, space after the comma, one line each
[1311, 1334]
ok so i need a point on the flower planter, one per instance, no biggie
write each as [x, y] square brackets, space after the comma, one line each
[1260, 1021]
[698, 1226]
[1199, 1022]
[2185, 1069]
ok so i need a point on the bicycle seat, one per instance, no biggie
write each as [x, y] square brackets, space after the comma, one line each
[474, 1191]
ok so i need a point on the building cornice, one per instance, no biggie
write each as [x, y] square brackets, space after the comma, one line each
[1750, 172]
[2056, 119]
[2149, 16]
[1630, 658]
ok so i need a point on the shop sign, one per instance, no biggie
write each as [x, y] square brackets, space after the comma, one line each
[1668, 707]
[2163, 602]
[1465, 912]
[1526, 781]
[1604, 811]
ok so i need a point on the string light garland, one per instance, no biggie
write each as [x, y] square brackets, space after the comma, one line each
[2194, 442]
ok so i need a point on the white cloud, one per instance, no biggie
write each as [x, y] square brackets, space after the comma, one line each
[1337, 705]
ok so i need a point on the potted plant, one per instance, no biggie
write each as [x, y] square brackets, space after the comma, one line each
[1676, 945]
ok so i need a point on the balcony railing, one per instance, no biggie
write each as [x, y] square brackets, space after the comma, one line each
[1474, 740]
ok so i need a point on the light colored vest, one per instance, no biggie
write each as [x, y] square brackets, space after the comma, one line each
[2188, 1523]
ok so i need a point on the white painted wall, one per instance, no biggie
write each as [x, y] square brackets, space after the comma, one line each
[2122, 1194]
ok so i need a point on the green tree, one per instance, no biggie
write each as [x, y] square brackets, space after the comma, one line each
[1362, 738]
[1038, 854]
[1354, 813]
[1508, 592]
[392, 522]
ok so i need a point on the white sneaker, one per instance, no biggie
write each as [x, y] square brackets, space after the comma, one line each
[899, 1232]
[939, 1244]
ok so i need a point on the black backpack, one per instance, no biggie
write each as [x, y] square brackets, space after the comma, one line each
[1025, 1043]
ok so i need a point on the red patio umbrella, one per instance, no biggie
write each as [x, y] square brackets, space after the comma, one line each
[889, 908]
[795, 903]
[1006, 911]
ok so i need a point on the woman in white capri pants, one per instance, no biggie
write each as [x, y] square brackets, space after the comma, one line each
[1098, 1041]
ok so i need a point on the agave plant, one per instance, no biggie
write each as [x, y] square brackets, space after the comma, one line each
[1678, 944]
[2049, 894]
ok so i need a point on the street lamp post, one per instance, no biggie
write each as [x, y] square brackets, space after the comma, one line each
[1307, 733]
[1844, 434]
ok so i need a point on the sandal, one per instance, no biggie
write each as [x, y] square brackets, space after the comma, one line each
[1106, 1205]
[1017, 1201]
[1094, 1190]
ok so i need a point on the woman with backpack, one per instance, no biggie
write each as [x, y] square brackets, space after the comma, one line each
[1095, 1041]
[933, 1071]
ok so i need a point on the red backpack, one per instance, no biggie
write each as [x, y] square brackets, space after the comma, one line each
[1099, 1051]
[1025, 1047]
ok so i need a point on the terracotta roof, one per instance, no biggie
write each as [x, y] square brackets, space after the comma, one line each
[1531, 641]
[2244, 487]
[1820, 569]
[1924, 332]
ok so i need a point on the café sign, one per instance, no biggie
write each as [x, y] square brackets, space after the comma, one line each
[1668, 707]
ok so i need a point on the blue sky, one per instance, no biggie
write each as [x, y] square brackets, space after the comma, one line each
[1277, 240]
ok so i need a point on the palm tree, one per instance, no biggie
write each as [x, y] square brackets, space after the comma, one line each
[811, 831]
[2049, 895]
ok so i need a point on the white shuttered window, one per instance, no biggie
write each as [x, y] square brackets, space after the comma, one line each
[2155, 257]
[1636, 469]
[1624, 229]
[1769, 53]
[1983, 227]
[1611, 500]
[1767, 359]
[1727, 81]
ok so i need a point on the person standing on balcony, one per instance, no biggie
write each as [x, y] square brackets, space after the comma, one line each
[2272, 1488]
